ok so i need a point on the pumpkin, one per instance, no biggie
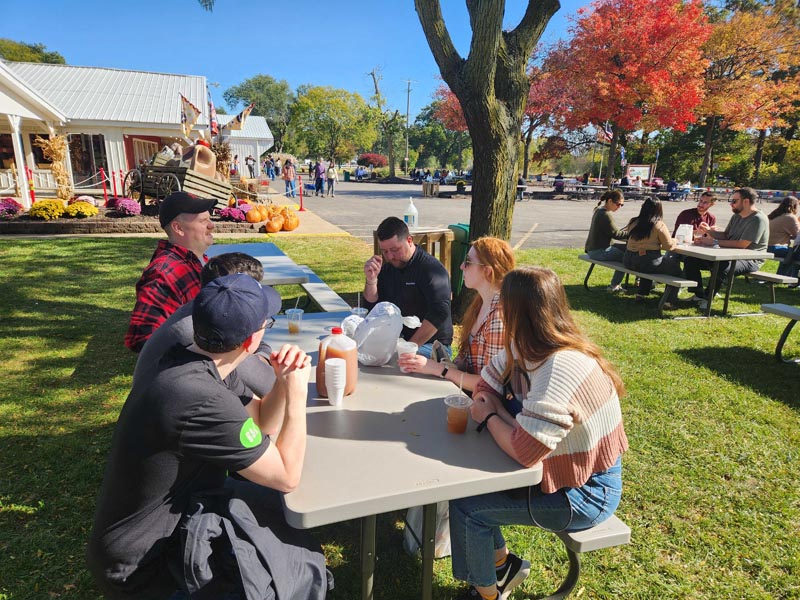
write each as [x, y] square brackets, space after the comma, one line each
[275, 224]
[232, 202]
[291, 221]
[253, 216]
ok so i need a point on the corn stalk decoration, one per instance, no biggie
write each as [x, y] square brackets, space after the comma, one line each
[55, 150]
[222, 150]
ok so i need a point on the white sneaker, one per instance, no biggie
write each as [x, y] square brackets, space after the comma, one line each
[696, 298]
[703, 304]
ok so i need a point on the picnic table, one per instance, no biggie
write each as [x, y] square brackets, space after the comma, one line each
[716, 256]
[392, 420]
[279, 269]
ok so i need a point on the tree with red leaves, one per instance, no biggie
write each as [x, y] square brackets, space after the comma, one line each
[633, 63]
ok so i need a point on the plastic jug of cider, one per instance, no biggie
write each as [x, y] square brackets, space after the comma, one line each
[338, 345]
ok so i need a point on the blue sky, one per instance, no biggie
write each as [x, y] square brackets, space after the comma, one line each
[311, 42]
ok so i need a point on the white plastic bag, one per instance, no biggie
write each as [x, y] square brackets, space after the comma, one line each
[377, 335]
[412, 534]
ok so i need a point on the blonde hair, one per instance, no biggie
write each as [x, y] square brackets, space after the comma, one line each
[498, 257]
[538, 322]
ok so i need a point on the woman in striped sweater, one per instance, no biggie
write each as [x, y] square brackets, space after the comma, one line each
[570, 421]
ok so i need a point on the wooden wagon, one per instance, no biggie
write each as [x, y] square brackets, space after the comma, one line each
[159, 181]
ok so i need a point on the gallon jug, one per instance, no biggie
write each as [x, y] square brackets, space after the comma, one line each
[338, 345]
[411, 215]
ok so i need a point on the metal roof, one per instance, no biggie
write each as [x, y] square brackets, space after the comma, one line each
[101, 94]
[254, 128]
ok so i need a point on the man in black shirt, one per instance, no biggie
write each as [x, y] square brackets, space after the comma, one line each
[413, 280]
[177, 438]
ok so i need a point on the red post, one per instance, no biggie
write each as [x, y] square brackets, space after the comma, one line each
[122, 182]
[114, 182]
[300, 179]
[29, 174]
[103, 180]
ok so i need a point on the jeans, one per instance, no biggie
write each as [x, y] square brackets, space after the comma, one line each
[612, 253]
[427, 349]
[475, 522]
[692, 267]
[652, 261]
[289, 188]
[330, 186]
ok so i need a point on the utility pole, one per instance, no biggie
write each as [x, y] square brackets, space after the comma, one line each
[408, 102]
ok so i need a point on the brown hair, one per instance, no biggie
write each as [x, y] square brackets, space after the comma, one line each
[538, 322]
[496, 255]
[614, 195]
[788, 206]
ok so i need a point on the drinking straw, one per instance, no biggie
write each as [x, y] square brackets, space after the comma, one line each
[461, 383]
[296, 304]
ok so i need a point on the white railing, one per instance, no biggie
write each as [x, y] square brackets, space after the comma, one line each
[6, 181]
[43, 179]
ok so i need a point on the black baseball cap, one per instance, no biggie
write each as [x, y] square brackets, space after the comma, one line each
[183, 202]
[231, 308]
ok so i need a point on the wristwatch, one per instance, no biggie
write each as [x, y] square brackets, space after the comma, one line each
[444, 372]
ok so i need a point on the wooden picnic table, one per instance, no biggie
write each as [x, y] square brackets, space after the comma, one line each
[279, 269]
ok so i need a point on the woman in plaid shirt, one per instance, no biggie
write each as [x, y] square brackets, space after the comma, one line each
[481, 336]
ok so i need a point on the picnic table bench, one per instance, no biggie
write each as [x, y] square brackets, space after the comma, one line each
[667, 280]
[321, 293]
[793, 314]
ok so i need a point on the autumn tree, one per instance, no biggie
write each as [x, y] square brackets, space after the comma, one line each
[491, 85]
[332, 122]
[272, 100]
[633, 63]
[433, 141]
[448, 112]
[747, 53]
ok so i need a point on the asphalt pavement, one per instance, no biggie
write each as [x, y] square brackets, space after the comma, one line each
[359, 207]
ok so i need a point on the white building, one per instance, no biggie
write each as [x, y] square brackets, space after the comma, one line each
[114, 120]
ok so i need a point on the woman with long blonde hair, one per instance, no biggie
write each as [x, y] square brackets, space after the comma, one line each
[486, 264]
[570, 421]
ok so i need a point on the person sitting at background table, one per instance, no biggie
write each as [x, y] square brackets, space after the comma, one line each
[486, 264]
[624, 182]
[783, 226]
[602, 230]
[570, 422]
[700, 214]
[647, 236]
[747, 229]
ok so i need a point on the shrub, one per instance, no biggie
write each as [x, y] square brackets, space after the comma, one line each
[127, 207]
[370, 158]
[232, 214]
[47, 209]
[9, 208]
[81, 210]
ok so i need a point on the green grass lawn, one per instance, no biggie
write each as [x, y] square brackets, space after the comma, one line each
[712, 478]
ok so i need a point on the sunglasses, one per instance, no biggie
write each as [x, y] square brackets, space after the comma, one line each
[619, 203]
[270, 322]
[733, 200]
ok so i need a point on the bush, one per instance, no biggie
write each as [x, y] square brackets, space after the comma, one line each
[127, 207]
[232, 214]
[376, 160]
[47, 209]
[112, 202]
[9, 208]
[81, 210]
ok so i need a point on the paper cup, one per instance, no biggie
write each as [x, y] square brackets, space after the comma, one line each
[295, 318]
[457, 412]
[335, 379]
[404, 347]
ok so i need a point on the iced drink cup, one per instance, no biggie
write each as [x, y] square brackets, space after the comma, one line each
[359, 312]
[295, 318]
[457, 412]
[404, 347]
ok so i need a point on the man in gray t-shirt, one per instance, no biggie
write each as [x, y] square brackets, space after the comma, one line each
[748, 228]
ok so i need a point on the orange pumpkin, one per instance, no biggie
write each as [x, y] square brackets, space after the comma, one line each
[291, 221]
[275, 224]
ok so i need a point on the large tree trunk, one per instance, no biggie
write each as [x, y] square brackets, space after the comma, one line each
[762, 136]
[390, 150]
[492, 87]
[612, 155]
[709, 146]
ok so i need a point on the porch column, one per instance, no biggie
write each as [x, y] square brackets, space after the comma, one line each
[19, 159]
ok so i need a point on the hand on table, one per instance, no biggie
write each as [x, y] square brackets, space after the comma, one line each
[482, 405]
[291, 365]
[416, 363]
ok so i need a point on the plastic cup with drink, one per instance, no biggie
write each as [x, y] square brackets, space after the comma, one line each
[335, 379]
[404, 347]
[359, 312]
[295, 317]
[457, 412]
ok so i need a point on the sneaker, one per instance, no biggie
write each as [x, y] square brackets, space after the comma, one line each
[614, 289]
[696, 298]
[703, 304]
[514, 572]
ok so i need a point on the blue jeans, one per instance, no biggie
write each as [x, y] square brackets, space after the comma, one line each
[427, 349]
[612, 253]
[475, 522]
[289, 188]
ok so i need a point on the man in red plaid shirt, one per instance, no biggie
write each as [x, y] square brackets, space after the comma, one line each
[173, 276]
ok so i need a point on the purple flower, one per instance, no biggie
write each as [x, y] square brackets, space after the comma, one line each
[128, 207]
[9, 208]
[232, 214]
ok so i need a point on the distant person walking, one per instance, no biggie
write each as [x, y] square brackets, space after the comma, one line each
[289, 175]
[333, 178]
[250, 161]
